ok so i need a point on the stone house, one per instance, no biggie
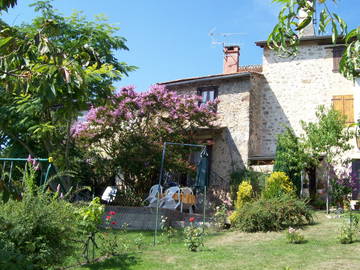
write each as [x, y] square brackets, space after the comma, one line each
[257, 102]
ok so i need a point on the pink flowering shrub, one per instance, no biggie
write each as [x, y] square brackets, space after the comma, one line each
[127, 134]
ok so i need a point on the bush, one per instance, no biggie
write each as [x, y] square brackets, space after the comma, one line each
[257, 181]
[273, 214]
[244, 195]
[36, 232]
[277, 184]
[294, 236]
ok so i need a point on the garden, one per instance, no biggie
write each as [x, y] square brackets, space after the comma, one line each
[66, 134]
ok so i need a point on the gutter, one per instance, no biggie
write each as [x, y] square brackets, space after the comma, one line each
[209, 78]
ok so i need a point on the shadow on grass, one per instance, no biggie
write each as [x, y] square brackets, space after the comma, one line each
[120, 262]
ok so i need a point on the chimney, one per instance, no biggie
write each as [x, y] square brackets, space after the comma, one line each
[231, 59]
[309, 30]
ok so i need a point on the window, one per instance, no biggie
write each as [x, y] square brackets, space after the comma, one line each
[344, 105]
[209, 93]
[337, 54]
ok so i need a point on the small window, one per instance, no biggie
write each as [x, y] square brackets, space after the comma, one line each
[344, 105]
[337, 54]
[207, 94]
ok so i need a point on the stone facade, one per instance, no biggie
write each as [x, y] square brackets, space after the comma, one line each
[294, 88]
[230, 150]
[259, 103]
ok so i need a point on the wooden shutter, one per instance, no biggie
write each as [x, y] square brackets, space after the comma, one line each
[344, 105]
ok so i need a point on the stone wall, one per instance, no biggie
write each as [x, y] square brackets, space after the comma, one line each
[230, 150]
[294, 88]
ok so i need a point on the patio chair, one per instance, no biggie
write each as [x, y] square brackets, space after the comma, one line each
[153, 195]
[168, 200]
[186, 200]
[109, 194]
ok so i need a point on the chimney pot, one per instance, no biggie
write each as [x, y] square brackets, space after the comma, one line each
[231, 59]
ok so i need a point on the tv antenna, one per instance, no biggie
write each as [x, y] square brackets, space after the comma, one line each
[223, 38]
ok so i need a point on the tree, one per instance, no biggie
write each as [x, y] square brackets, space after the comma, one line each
[51, 70]
[124, 139]
[290, 157]
[285, 36]
[327, 137]
[5, 4]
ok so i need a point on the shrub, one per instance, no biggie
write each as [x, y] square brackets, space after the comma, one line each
[38, 232]
[294, 236]
[244, 195]
[220, 216]
[290, 157]
[277, 184]
[257, 180]
[347, 234]
[193, 236]
[273, 214]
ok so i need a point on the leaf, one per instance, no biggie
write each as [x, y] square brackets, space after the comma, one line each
[5, 41]
[304, 23]
[52, 87]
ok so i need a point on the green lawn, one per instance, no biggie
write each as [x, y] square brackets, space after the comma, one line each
[236, 250]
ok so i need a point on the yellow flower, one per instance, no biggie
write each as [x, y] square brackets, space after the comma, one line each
[50, 159]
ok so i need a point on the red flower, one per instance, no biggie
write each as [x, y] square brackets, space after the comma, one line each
[192, 219]
[108, 217]
[112, 213]
[114, 223]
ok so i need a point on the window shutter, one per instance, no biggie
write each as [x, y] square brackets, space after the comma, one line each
[349, 108]
[344, 105]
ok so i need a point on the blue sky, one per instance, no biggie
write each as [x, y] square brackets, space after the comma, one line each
[169, 39]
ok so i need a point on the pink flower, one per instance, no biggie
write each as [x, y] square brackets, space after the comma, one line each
[112, 213]
[192, 219]
[114, 223]
[108, 217]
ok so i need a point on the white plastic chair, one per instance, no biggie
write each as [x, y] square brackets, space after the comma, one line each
[109, 194]
[153, 195]
[186, 191]
[168, 200]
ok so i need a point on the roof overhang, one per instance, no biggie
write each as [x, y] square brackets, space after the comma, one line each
[207, 78]
[321, 40]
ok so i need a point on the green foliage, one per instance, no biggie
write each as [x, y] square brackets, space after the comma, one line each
[328, 135]
[114, 243]
[338, 193]
[347, 234]
[193, 237]
[36, 232]
[285, 36]
[5, 4]
[90, 218]
[244, 194]
[220, 216]
[273, 214]
[290, 157]
[257, 180]
[278, 184]
[294, 236]
[51, 70]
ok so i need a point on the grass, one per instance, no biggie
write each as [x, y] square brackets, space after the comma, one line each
[236, 250]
